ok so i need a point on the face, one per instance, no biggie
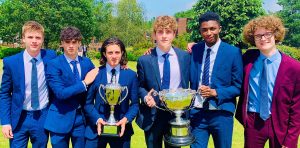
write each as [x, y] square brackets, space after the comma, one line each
[33, 41]
[113, 55]
[71, 48]
[264, 40]
[164, 38]
[210, 31]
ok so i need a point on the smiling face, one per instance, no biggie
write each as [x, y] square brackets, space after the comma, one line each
[265, 41]
[164, 38]
[210, 31]
[33, 41]
[113, 55]
[71, 48]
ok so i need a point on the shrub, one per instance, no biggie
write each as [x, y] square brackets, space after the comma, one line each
[5, 52]
[291, 51]
[143, 45]
[181, 41]
[93, 54]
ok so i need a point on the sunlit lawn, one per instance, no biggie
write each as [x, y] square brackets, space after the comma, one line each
[137, 140]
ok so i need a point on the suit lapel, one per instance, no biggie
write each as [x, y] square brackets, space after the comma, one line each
[280, 75]
[181, 65]
[66, 67]
[20, 68]
[154, 63]
[82, 67]
[218, 62]
[199, 68]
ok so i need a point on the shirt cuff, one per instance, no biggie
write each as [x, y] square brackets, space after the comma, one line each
[98, 120]
[85, 86]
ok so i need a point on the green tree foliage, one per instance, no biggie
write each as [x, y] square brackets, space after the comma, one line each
[234, 15]
[290, 14]
[52, 14]
[185, 14]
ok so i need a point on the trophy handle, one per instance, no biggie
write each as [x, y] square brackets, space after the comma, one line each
[99, 90]
[193, 100]
[124, 88]
[155, 93]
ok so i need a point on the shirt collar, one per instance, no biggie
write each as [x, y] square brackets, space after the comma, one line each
[69, 59]
[272, 58]
[215, 47]
[109, 68]
[160, 52]
[28, 57]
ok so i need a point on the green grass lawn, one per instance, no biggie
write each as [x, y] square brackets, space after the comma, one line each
[137, 140]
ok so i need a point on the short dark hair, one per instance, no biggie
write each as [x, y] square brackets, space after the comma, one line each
[70, 33]
[209, 16]
[113, 41]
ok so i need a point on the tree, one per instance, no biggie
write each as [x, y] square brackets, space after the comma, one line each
[185, 14]
[52, 14]
[290, 14]
[234, 15]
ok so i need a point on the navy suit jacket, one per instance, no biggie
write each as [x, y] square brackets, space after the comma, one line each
[96, 108]
[12, 92]
[226, 76]
[149, 77]
[68, 93]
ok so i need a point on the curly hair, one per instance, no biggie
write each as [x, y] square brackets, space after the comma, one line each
[163, 22]
[269, 22]
[113, 41]
[209, 16]
[32, 26]
[70, 33]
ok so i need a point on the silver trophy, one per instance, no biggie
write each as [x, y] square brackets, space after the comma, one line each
[112, 97]
[177, 101]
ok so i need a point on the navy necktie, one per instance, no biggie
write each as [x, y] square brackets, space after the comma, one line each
[113, 74]
[166, 72]
[205, 74]
[264, 98]
[75, 70]
[34, 85]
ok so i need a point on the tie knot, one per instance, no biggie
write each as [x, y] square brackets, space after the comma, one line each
[208, 50]
[113, 71]
[166, 55]
[33, 60]
[73, 62]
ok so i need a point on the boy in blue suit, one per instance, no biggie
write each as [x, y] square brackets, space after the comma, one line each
[216, 71]
[113, 56]
[165, 68]
[68, 76]
[24, 95]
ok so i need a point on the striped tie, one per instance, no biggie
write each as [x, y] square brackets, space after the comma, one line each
[205, 74]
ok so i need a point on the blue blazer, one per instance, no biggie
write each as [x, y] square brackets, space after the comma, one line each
[226, 76]
[12, 91]
[68, 93]
[96, 108]
[149, 77]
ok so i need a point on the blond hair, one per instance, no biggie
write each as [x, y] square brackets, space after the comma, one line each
[32, 26]
[165, 22]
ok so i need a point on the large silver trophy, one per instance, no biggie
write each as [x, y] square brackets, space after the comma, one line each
[178, 101]
[112, 97]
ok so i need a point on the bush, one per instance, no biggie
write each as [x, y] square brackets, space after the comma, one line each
[291, 51]
[181, 41]
[93, 54]
[5, 52]
[143, 45]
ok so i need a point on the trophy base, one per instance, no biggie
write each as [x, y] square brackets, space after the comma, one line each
[178, 141]
[111, 130]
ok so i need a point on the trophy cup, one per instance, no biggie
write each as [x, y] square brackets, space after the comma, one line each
[177, 101]
[112, 97]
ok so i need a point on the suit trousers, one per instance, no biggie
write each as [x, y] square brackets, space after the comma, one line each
[114, 142]
[59, 140]
[31, 125]
[218, 123]
[258, 131]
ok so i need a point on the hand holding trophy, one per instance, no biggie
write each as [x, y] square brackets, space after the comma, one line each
[112, 97]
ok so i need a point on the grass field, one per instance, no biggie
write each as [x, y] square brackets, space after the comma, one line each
[137, 140]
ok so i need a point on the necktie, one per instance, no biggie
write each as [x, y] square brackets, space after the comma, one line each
[113, 75]
[264, 98]
[75, 70]
[34, 85]
[205, 74]
[166, 72]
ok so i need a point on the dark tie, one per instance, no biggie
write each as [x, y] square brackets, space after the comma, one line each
[75, 70]
[166, 72]
[34, 85]
[205, 74]
[113, 75]
[264, 98]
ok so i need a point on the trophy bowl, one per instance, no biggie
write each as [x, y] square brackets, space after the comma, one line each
[177, 101]
[112, 97]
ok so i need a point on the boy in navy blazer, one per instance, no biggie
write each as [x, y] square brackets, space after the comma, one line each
[24, 95]
[68, 76]
[166, 67]
[113, 56]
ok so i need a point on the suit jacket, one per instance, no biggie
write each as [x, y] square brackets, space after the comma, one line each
[149, 77]
[69, 94]
[12, 92]
[285, 107]
[96, 107]
[226, 77]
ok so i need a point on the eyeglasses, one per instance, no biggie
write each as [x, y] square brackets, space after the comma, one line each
[266, 35]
